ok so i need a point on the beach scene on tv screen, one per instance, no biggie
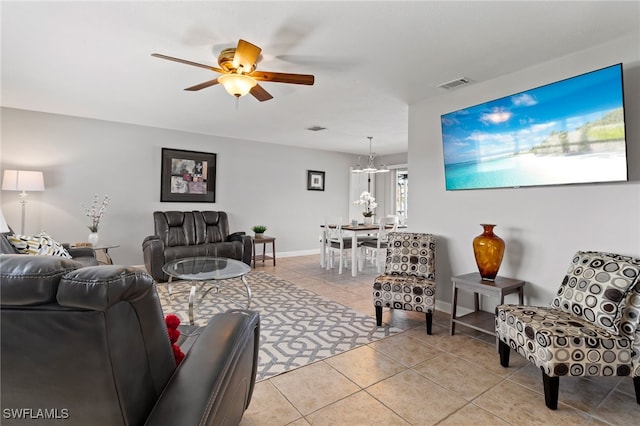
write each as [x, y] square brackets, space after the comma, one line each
[571, 131]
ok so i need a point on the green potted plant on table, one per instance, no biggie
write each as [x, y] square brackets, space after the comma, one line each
[259, 230]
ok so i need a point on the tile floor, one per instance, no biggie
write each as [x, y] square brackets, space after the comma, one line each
[415, 379]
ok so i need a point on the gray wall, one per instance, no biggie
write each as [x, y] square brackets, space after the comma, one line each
[542, 226]
[266, 184]
[256, 183]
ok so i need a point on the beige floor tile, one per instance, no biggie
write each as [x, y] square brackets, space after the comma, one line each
[300, 422]
[519, 405]
[471, 415]
[619, 409]
[442, 318]
[416, 399]
[314, 386]
[357, 409]
[327, 384]
[579, 392]
[269, 407]
[595, 422]
[365, 366]
[363, 306]
[336, 294]
[405, 349]
[486, 356]
[440, 338]
[457, 375]
[404, 320]
[626, 385]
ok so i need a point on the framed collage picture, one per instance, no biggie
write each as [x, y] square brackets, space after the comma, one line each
[188, 176]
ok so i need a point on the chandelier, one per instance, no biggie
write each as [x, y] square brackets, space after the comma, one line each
[370, 167]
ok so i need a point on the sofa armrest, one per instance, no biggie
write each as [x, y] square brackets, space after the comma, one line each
[80, 251]
[214, 383]
[247, 246]
[153, 252]
[236, 236]
[5, 246]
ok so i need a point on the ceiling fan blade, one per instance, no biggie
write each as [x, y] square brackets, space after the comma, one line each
[184, 61]
[246, 55]
[279, 77]
[260, 94]
[203, 85]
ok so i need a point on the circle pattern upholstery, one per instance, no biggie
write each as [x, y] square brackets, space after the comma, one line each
[409, 279]
[595, 287]
[561, 344]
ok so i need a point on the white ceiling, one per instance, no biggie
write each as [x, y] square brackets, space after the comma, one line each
[371, 60]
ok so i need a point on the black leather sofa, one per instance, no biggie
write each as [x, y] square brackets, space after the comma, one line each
[179, 235]
[89, 346]
[84, 255]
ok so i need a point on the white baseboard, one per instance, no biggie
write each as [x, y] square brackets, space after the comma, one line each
[296, 253]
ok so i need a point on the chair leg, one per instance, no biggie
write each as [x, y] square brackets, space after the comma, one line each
[551, 385]
[636, 385]
[429, 321]
[378, 316]
[504, 351]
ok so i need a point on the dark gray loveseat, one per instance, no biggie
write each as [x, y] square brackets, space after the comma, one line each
[89, 345]
[179, 235]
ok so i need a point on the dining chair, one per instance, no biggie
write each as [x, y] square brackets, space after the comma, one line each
[378, 244]
[337, 242]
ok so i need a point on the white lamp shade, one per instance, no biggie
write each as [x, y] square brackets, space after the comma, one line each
[4, 227]
[22, 180]
[237, 84]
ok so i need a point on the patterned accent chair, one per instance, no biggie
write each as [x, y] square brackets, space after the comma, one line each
[408, 281]
[590, 329]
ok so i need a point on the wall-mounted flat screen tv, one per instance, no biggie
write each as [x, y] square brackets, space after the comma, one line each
[571, 131]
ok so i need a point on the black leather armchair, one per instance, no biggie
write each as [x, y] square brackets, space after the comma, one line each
[89, 346]
[191, 234]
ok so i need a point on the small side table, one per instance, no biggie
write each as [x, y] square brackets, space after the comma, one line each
[481, 320]
[264, 240]
[104, 248]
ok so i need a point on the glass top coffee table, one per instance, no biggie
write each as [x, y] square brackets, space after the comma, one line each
[204, 269]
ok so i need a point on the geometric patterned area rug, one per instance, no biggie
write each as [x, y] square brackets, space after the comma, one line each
[297, 326]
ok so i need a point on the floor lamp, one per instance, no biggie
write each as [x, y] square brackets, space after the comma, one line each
[22, 180]
[4, 227]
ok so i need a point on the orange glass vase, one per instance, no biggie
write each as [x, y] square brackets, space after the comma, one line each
[488, 249]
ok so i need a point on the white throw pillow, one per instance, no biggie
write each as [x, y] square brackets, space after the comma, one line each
[39, 244]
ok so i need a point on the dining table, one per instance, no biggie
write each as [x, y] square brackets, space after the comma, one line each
[354, 231]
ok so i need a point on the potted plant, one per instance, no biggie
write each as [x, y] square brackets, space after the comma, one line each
[369, 202]
[95, 213]
[259, 230]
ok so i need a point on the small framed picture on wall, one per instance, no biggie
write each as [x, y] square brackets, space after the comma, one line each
[315, 180]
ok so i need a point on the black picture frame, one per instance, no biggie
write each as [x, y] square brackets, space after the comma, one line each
[315, 180]
[188, 176]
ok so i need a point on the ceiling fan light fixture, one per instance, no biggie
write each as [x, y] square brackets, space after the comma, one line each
[237, 84]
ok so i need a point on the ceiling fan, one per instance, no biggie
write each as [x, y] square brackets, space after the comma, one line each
[239, 74]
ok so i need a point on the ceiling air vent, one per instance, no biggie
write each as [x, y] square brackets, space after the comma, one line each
[455, 83]
[316, 128]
